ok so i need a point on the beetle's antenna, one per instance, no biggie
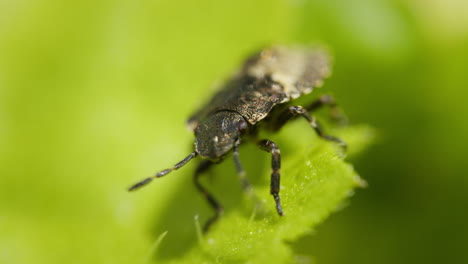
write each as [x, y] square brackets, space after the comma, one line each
[164, 172]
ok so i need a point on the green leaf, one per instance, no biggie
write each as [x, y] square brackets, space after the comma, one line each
[315, 182]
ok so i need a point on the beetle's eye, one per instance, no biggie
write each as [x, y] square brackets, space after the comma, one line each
[242, 126]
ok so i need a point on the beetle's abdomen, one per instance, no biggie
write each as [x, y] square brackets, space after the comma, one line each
[297, 70]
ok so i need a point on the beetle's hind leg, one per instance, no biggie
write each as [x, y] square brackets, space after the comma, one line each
[327, 100]
[296, 111]
[202, 167]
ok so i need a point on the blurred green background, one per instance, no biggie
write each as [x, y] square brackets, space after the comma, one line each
[94, 95]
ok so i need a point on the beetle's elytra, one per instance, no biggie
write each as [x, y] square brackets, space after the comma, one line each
[259, 96]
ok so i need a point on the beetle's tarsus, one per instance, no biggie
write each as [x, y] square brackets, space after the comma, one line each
[318, 129]
[337, 140]
[279, 209]
[212, 220]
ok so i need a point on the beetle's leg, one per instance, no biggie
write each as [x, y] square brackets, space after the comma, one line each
[271, 147]
[164, 172]
[246, 186]
[324, 100]
[205, 165]
[300, 111]
[328, 100]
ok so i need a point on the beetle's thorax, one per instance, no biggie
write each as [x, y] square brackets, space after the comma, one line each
[217, 134]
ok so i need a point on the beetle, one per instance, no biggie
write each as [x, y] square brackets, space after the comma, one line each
[259, 96]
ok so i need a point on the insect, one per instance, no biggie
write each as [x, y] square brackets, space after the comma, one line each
[259, 96]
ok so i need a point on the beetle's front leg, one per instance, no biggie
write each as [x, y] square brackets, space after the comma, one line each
[246, 186]
[202, 167]
[271, 147]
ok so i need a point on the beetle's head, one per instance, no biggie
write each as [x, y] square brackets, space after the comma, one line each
[216, 136]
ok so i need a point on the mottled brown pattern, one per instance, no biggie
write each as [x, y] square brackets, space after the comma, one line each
[272, 76]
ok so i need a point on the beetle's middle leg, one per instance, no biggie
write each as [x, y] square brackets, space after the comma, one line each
[202, 167]
[295, 111]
